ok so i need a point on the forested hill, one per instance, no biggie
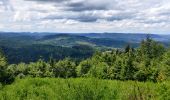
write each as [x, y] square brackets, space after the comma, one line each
[127, 36]
[28, 47]
[114, 40]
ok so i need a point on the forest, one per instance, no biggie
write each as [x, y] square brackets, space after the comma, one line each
[29, 47]
[141, 73]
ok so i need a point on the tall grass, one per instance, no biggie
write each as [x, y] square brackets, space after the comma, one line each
[83, 89]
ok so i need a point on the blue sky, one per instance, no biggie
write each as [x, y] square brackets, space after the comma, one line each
[131, 16]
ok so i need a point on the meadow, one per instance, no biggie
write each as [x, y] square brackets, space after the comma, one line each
[83, 89]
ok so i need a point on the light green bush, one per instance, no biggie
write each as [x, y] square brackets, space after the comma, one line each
[83, 89]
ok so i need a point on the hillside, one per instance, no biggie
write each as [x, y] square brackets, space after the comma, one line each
[114, 40]
[131, 37]
[74, 39]
[28, 47]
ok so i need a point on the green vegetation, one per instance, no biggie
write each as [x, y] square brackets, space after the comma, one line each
[129, 73]
[83, 89]
[29, 47]
[3, 63]
[149, 62]
[34, 52]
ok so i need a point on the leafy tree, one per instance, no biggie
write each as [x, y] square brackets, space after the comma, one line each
[150, 49]
[98, 70]
[65, 68]
[147, 55]
[21, 69]
[4, 76]
[40, 69]
[12, 69]
[3, 60]
[164, 71]
[128, 69]
[84, 67]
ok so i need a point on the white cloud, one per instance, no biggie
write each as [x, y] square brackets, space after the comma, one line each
[1, 26]
[85, 15]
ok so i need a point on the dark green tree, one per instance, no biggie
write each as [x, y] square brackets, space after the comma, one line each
[3, 65]
[5, 78]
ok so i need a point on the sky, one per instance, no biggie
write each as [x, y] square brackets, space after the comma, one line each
[83, 16]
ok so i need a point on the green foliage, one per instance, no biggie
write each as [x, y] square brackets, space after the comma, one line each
[83, 68]
[142, 64]
[165, 66]
[3, 65]
[149, 62]
[40, 69]
[33, 52]
[3, 61]
[98, 70]
[65, 68]
[148, 57]
[150, 49]
[83, 89]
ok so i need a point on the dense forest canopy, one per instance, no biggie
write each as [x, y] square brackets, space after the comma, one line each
[148, 62]
[29, 47]
[34, 52]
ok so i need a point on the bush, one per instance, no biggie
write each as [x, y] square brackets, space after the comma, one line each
[83, 89]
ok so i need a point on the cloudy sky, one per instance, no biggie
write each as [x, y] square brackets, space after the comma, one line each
[134, 16]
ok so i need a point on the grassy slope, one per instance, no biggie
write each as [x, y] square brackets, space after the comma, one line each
[83, 89]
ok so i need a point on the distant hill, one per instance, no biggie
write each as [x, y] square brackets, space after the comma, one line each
[113, 40]
[69, 40]
[28, 47]
[127, 36]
